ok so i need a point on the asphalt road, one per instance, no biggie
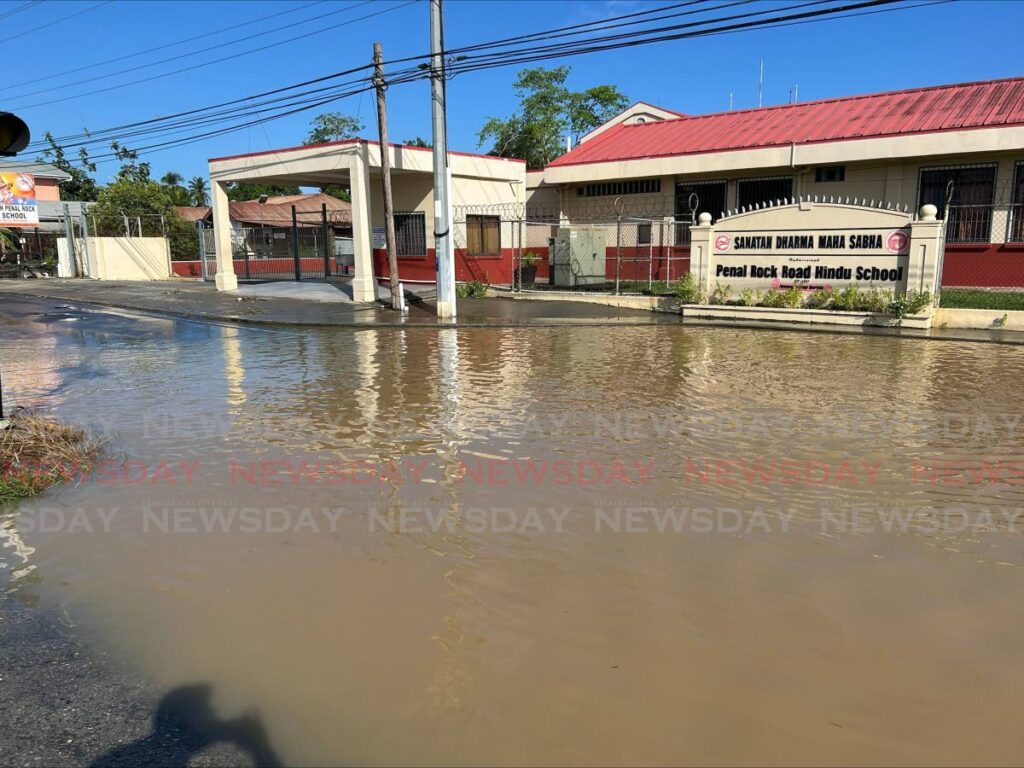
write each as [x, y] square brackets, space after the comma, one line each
[64, 701]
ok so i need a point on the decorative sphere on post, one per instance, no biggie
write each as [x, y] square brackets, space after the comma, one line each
[704, 220]
[929, 212]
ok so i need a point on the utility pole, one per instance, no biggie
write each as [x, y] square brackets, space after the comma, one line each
[442, 205]
[397, 302]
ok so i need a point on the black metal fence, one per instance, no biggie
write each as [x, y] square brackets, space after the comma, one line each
[316, 245]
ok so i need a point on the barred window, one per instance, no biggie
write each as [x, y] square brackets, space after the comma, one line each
[971, 192]
[634, 187]
[483, 235]
[411, 234]
[705, 197]
[750, 192]
[828, 173]
[1016, 234]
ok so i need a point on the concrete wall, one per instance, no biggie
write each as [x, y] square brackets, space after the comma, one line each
[47, 189]
[129, 258]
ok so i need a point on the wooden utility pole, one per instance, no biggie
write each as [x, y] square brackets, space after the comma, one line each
[397, 300]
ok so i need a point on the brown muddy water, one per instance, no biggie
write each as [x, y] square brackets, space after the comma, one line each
[613, 545]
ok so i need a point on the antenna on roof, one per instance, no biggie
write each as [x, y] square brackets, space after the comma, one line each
[760, 85]
[796, 92]
[730, 101]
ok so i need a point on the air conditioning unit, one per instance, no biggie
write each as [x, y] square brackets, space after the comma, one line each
[578, 256]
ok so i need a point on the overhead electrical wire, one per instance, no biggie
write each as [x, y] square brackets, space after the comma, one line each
[70, 16]
[230, 57]
[287, 102]
[164, 46]
[820, 14]
[369, 66]
[20, 8]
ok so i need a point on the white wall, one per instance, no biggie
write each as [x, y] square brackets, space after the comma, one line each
[129, 258]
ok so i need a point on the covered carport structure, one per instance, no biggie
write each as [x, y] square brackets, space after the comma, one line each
[476, 180]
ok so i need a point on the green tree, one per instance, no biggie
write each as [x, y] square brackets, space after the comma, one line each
[548, 110]
[253, 191]
[131, 169]
[81, 186]
[198, 192]
[419, 141]
[333, 126]
[174, 182]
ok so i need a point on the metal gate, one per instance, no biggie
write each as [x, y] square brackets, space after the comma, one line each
[315, 247]
[28, 253]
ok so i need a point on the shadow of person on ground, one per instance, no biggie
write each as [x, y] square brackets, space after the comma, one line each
[184, 724]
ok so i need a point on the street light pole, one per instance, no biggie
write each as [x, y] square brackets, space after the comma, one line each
[443, 251]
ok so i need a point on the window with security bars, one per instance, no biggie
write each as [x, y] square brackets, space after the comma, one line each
[483, 235]
[411, 234]
[751, 192]
[693, 199]
[633, 187]
[1016, 233]
[970, 190]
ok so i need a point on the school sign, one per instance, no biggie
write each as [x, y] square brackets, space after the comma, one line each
[816, 244]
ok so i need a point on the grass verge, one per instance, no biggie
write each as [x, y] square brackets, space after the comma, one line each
[37, 452]
[973, 298]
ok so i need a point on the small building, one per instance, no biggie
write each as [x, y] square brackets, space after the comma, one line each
[36, 244]
[486, 192]
[959, 147]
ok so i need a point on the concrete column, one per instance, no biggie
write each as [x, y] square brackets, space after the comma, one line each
[923, 267]
[225, 280]
[364, 287]
[702, 237]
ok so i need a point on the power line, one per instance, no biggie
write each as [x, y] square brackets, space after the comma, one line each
[605, 23]
[164, 46]
[49, 24]
[178, 57]
[230, 57]
[20, 8]
[299, 102]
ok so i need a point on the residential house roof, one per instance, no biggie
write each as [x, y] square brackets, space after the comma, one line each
[43, 170]
[192, 213]
[991, 103]
[275, 212]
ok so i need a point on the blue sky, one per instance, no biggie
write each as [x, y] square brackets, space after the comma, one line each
[971, 40]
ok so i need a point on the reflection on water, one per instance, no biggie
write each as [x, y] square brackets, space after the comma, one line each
[453, 600]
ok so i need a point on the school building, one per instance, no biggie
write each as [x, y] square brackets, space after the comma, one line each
[653, 171]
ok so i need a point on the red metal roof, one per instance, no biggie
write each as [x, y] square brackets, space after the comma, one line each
[920, 110]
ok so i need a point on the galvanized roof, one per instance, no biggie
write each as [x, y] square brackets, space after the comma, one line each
[43, 170]
[992, 103]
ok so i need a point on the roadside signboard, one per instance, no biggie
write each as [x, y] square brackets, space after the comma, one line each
[18, 200]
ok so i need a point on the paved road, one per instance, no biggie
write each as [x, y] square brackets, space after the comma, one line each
[201, 300]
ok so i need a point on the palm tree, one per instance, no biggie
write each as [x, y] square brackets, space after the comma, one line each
[198, 191]
[172, 179]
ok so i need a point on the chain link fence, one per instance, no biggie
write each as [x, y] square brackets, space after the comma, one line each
[533, 249]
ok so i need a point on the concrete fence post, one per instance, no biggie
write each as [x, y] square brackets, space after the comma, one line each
[924, 272]
[702, 242]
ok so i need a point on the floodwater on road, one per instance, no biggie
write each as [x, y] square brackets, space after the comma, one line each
[578, 545]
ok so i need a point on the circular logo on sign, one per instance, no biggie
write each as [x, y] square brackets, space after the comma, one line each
[723, 243]
[897, 241]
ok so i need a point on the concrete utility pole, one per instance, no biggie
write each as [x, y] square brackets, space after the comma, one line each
[397, 302]
[442, 204]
